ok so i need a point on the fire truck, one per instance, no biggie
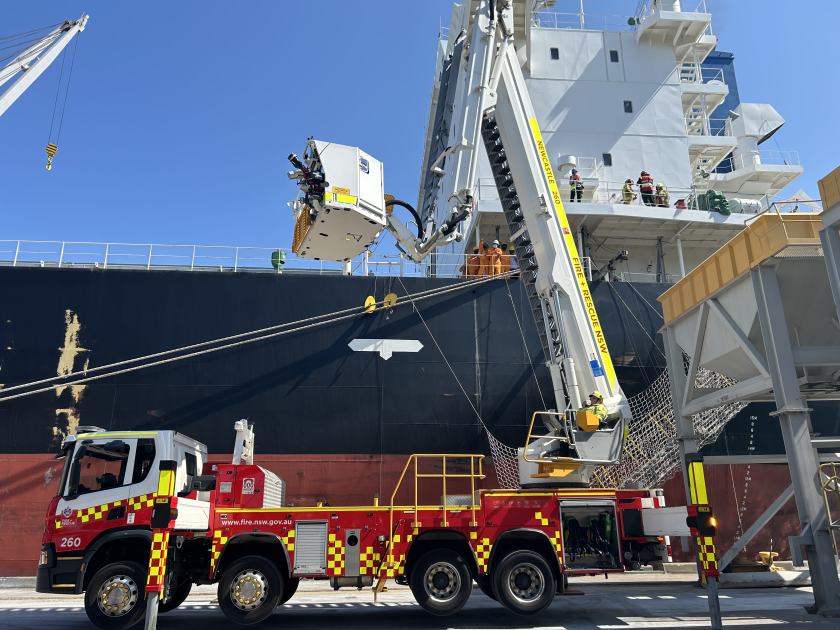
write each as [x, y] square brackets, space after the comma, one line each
[144, 511]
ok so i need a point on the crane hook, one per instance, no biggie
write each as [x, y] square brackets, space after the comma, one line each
[51, 150]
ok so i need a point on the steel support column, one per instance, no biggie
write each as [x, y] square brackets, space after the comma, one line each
[679, 386]
[830, 238]
[795, 422]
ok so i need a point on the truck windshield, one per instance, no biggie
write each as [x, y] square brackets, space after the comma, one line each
[100, 467]
[66, 454]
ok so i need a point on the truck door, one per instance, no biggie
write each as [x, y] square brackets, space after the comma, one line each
[96, 489]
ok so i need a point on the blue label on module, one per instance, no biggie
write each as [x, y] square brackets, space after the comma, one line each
[597, 370]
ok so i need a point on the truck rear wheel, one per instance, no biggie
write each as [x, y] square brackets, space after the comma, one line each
[440, 581]
[524, 582]
[250, 589]
[177, 594]
[115, 598]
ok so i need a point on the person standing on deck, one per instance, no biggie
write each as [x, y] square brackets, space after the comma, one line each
[506, 256]
[628, 195]
[575, 186]
[646, 187]
[495, 257]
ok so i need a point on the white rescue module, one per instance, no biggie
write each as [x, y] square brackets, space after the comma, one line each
[341, 209]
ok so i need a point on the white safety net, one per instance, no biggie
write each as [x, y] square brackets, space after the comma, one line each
[651, 450]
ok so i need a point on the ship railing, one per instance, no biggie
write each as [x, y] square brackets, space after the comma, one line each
[646, 276]
[691, 72]
[700, 124]
[762, 156]
[646, 8]
[80, 254]
[580, 20]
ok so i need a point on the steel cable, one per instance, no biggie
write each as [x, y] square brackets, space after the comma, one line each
[271, 332]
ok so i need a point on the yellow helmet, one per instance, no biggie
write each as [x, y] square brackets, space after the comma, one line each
[597, 394]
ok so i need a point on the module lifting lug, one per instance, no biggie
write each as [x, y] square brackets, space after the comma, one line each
[51, 150]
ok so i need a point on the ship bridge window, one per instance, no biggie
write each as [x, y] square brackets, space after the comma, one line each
[614, 56]
[555, 53]
[628, 107]
[607, 159]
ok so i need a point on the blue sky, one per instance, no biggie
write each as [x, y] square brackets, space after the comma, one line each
[181, 113]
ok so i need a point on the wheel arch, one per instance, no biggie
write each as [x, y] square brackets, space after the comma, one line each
[255, 543]
[441, 539]
[129, 544]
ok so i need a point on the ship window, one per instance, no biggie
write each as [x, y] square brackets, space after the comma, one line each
[628, 107]
[555, 53]
[614, 56]
[607, 158]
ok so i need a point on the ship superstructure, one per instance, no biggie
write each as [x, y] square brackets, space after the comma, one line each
[615, 96]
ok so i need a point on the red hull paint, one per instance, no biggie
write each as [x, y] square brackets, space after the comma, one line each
[28, 482]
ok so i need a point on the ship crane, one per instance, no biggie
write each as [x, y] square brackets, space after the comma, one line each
[342, 209]
[31, 64]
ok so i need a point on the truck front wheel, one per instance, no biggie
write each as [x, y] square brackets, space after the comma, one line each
[250, 589]
[115, 598]
[524, 582]
[440, 581]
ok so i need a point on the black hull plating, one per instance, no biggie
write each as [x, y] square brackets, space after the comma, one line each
[308, 392]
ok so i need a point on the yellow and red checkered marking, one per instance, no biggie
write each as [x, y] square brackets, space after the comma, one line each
[288, 540]
[98, 512]
[542, 520]
[706, 554]
[216, 546]
[335, 555]
[557, 543]
[157, 561]
[141, 502]
[482, 553]
[369, 561]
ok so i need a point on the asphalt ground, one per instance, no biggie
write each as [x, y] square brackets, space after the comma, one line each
[655, 601]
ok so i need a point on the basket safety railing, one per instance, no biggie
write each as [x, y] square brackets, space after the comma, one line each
[565, 420]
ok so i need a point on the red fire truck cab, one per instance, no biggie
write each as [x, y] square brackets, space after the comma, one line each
[144, 511]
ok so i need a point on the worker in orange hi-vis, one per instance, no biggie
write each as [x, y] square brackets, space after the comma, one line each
[505, 258]
[495, 255]
[484, 258]
[473, 264]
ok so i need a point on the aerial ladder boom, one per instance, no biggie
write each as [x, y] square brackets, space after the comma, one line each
[32, 62]
[498, 112]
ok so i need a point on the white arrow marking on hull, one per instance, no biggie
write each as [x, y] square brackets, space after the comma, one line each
[385, 347]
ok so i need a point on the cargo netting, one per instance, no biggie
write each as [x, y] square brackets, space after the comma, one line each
[651, 451]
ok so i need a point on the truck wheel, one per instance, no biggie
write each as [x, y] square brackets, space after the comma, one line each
[485, 585]
[115, 598]
[441, 582]
[250, 590]
[289, 590]
[177, 594]
[524, 582]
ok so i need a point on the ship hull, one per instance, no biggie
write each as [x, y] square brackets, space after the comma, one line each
[335, 423]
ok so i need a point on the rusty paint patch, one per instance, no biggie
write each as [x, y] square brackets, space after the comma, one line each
[67, 417]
